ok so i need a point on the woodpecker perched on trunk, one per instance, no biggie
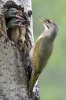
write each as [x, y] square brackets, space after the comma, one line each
[13, 12]
[42, 50]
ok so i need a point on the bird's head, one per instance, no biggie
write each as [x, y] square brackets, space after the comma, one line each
[18, 23]
[14, 22]
[49, 24]
[13, 12]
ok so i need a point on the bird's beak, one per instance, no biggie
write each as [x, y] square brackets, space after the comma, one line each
[42, 20]
[18, 16]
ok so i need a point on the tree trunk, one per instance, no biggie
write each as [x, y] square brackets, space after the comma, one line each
[13, 60]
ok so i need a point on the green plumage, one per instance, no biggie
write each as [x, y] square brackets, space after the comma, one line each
[42, 50]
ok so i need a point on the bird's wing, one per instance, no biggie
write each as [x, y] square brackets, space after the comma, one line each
[36, 60]
[39, 53]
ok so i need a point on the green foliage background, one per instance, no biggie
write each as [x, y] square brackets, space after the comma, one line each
[53, 77]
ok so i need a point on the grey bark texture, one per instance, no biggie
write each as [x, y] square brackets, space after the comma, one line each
[13, 78]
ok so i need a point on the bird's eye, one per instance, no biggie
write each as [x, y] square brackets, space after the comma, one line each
[49, 21]
[17, 21]
[15, 12]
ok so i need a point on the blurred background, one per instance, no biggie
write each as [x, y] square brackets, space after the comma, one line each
[53, 78]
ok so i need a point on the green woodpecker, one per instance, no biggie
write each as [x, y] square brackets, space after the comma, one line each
[42, 50]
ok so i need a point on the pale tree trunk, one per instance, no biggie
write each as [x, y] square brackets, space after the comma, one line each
[13, 77]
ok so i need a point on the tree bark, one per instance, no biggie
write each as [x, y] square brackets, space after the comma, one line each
[13, 77]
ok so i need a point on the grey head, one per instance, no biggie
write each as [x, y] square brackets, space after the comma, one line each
[14, 22]
[50, 26]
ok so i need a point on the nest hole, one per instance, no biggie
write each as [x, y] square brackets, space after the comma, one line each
[6, 7]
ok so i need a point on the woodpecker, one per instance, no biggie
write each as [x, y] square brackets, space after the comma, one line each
[42, 50]
[13, 12]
